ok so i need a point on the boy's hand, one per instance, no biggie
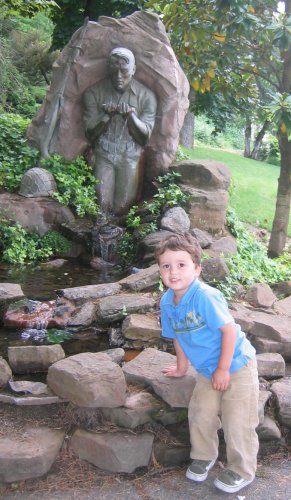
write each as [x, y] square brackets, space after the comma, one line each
[220, 379]
[173, 371]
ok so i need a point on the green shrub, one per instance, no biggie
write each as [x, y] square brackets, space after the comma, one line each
[15, 155]
[75, 182]
[18, 246]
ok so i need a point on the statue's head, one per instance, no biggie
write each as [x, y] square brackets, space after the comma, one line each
[121, 68]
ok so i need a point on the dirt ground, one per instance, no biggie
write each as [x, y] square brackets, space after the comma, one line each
[72, 478]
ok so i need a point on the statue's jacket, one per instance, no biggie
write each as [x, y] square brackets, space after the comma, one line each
[137, 96]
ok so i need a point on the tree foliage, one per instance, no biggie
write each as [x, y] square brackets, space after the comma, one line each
[233, 48]
[71, 14]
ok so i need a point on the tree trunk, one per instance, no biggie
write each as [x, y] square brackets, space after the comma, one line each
[281, 219]
[248, 136]
[187, 131]
[258, 140]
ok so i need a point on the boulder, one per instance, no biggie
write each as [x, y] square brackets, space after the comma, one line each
[282, 393]
[204, 239]
[283, 306]
[116, 307]
[146, 248]
[175, 220]
[31, 359]
[88, 379]
[268, 430]
[271, 365]
[282, 289]
[214, 270]
[30, 454]
[113, 452]
[143, 280]
[260, 295]
[35, 214]
[146, 370]
[37, 182]
[137, 410]
[225, 247]
[207, 209]
[264, 397]
[5, 373]
[171, 454]
[157, 68]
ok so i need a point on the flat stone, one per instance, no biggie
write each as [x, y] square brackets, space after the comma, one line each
[144, 327]
[28, 387]
[84, 315]
[117, 307]
[113, 452]
[88, 379]
[271, 365]
[146, 370]
[30, 455]
[30, 400]
[145, 279]
[30, 359]
[80, 294]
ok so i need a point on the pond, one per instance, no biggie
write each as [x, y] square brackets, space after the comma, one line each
[40, 283]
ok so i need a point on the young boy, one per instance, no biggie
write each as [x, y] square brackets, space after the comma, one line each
[197, 318]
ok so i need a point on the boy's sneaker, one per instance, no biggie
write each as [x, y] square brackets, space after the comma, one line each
[231, 482]
[198, 470]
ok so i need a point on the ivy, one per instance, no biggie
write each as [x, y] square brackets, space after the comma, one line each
[251, 264]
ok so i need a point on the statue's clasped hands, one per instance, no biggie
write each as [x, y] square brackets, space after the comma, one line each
[118, 109]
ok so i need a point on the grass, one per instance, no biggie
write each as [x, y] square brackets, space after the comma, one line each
[254, 185]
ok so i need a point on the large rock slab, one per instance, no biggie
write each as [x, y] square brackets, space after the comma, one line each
[157, 68]
[146, 370]
[268, 331]
[144, 280]
[29, 455]
[113, 452]
[5, 372]
[28, 359]
[271, 365]
[35, 214]
[116, 307]
[88, 379]
[282, 393]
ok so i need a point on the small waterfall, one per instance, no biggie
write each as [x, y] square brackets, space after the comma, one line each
[105, 239]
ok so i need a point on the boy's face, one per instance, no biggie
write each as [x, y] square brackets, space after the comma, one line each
[178, 271]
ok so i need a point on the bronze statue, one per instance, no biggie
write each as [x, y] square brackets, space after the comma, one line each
[119, 116]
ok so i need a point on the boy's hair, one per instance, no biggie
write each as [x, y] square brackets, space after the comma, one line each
[175, 242]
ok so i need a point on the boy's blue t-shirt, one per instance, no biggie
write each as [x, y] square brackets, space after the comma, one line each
[196, 321]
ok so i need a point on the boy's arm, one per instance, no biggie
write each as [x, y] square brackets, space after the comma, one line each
[220, 378]
[180, 369]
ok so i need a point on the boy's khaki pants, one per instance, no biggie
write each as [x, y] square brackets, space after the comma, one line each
[237, 410]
